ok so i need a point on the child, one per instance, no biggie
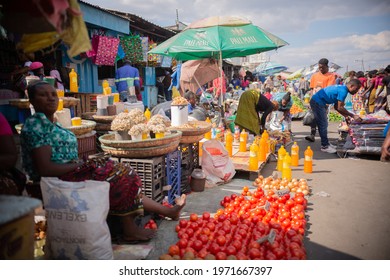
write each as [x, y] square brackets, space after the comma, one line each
[268, 93]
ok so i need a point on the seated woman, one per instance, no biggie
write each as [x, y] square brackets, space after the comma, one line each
[250, 105]
[51, 151]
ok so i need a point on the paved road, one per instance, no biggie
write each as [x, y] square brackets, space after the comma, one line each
[353, 222]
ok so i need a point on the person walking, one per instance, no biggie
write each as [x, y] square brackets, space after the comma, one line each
[330, 95]
[302, 87]
[125, 77]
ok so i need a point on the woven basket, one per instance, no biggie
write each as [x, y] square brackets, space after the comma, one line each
[20, 103]
[85, 127]
[88, 116]
[142, 152]
[103, 119]
[197, 128]
[70, 101]
[103, 126]
[191, 139]
[108, 140]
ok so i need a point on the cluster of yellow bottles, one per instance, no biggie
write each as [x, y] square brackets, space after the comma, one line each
[253, 159]
[285, 161]
[73, 81]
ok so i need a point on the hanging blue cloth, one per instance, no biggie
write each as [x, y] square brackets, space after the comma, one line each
[176, 78]
[120, 54]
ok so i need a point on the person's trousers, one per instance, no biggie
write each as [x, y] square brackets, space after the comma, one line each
[321, 121]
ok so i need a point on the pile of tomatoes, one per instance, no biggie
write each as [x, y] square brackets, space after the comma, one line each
[239, 229]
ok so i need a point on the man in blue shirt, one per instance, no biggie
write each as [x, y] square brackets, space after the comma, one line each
[330, 95]
[125, 77]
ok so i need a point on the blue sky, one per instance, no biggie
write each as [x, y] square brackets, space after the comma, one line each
[345, 32]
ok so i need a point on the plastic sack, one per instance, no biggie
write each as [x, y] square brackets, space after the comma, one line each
[76, 219]
[308, 118]
[216, 162]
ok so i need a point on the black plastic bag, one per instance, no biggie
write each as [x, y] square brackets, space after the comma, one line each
[308, 118]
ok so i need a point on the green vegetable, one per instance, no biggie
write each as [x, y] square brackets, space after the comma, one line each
[335, 117]
[298, 102]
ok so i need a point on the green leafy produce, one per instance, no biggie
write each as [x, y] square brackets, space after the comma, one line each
[335, 117]
[298, 102]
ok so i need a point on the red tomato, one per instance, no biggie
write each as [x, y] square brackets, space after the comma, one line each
[206, 231]
[270, 256]
[279, 253]
[206, 216]
[174, 250]
[190, 232]
[242, 232]
[227, 199]
[193, 217]
[202, 253]
[222, 218]
[233, 196]
[290, 233]
[254, 253]
[211, 226]
[203, 238]
[182, 243]
[214, 248]
[231, 250]
[221, 240]
[299, 200]
[153, 226]
[241, 256]
[226, 228]
[197, 245]
[234, 219]
[220, 256]
[194, 226]
[183, 223]
[254, 244]
[177, 228]
[236, 244]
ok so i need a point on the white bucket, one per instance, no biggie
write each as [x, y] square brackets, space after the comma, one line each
[130, 106]
[102, 101]
[179, 115]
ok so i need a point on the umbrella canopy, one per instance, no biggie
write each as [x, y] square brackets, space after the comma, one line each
[219, 37]
[269, 68]
[297, 74]
[195, 73]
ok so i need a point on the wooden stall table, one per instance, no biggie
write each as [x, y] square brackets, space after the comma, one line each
[87, 102]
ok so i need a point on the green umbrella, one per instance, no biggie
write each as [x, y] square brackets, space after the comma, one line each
[219, 37]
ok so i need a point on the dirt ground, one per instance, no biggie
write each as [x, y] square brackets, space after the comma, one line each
[348, 211]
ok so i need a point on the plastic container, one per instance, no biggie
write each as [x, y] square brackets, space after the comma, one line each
[208, 134]
[179, 115]
[243, 140]
[281, 154]
[295, 154]
[73, 81]
[308, 163]
[17, 227]
[198, 180]
[60, 105]
[147, 114]
[253, 161]
[130, 106]
[286, 172]
[229, 143]
[102, 102]
[263, 147]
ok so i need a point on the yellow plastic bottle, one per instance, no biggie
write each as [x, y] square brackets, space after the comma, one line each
[253, 162]
[262, 155]
[208, 134]
[281, 154]
[243, 140]
[105, 86]
[268, 146]
[147, 114]
[295, 154]
[73, 81]
[362, 113]
[229, 143]
[308, 163]
[286, 171]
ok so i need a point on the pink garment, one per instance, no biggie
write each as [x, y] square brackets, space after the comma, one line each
[268, 95]
[5, 129]
[56, 74]
[217, 85]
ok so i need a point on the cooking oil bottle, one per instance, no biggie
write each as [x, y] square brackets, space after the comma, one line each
[295, 154]
[286, 171]
[308, 163]
[208, 134]
[243, 140]
[253, 162]
[147, 114]
[229, 143]
[73, 81]
[262, 149]
[281, 154]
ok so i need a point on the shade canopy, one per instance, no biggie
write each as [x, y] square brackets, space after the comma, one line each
[217, 37]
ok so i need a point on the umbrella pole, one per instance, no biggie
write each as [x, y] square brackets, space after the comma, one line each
[221, 98]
